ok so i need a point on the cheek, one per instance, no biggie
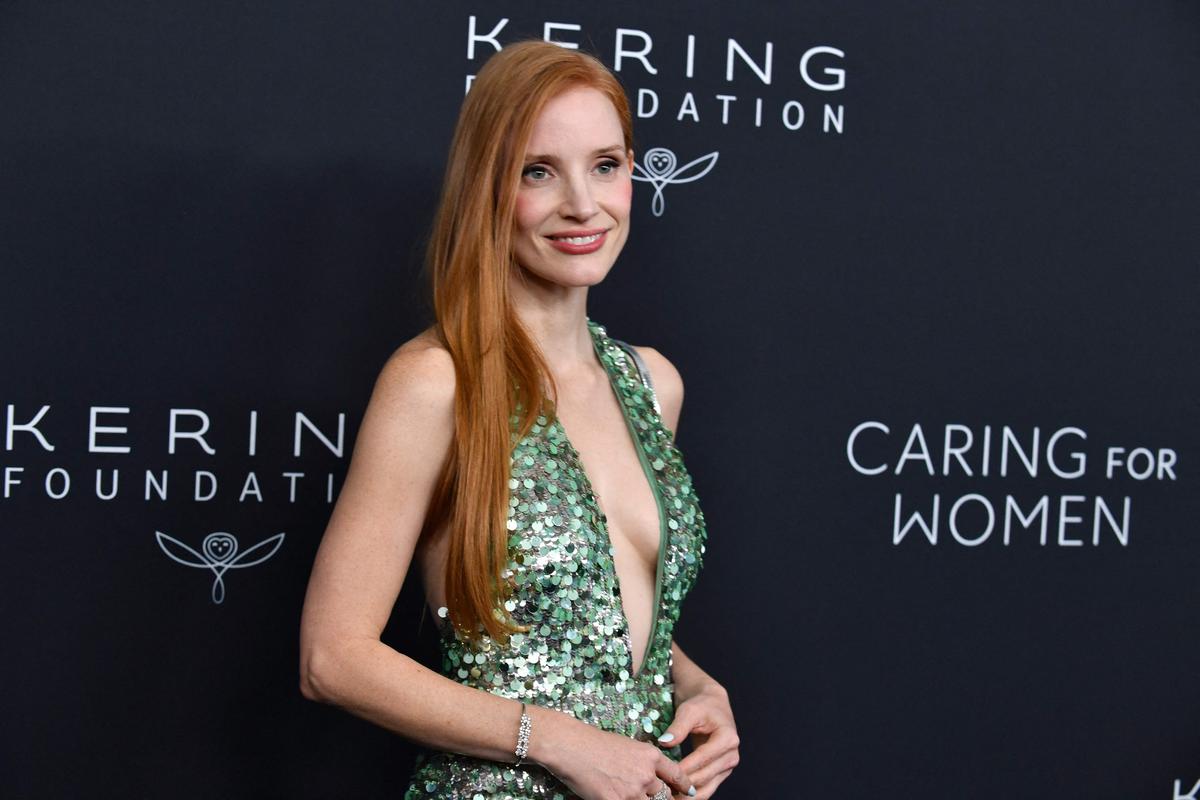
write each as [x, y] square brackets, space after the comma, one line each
[623, 193]
[525, 213]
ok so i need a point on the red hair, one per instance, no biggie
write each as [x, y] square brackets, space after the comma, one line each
[500, 371]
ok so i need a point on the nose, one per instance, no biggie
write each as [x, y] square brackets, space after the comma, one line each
[578, 202]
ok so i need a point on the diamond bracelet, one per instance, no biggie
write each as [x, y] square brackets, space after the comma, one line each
[523, 736]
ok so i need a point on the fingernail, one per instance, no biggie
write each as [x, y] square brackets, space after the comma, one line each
[691, 791]
[668, 737]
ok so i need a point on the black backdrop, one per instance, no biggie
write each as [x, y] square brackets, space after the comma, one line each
[943, 223]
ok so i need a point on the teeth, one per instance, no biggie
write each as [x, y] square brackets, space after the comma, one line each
[577, 239]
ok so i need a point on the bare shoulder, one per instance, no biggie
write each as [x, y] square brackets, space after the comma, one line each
[409, 422]
[418, 377]
[668, 384]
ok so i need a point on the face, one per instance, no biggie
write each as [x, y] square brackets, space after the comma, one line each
[572, 207]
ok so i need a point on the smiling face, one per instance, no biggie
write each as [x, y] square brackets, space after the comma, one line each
[572, 205]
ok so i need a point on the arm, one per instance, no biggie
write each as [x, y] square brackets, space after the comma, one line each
[359, 569]
[362, 562]
[702, 712]
[689, 679]
[702, 709]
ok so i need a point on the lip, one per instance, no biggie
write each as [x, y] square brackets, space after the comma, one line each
[562, 246]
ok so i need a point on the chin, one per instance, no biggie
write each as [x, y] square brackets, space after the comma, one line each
[589, 277]
[570, 274]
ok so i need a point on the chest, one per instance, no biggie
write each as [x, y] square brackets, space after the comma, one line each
[609, 458]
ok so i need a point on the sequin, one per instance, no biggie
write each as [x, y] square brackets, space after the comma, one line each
[577, 655]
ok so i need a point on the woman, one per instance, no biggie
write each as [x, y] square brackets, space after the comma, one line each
[556, 565]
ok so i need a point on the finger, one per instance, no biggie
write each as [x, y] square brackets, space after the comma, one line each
[725, 762]
[675, 777]
[703, 754]
[706, 791]
[708, 752]
[706, 774]
[680, 727]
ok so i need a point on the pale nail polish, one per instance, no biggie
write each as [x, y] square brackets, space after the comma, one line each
[668, 737]
[691, 791]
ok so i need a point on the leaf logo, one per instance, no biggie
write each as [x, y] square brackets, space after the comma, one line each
[218, 552]
[658, 168]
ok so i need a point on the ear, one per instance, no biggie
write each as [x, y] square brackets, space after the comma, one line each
[630, 156]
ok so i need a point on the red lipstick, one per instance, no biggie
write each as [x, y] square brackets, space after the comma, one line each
[592, 240]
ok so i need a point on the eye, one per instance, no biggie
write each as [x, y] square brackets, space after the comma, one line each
[608, 166]
[535, 172]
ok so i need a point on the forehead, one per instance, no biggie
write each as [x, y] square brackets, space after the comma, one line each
[581, 117]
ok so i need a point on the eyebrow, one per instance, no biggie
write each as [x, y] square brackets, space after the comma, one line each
[602, 151]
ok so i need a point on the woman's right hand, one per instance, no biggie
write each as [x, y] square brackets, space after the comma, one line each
[600, 765]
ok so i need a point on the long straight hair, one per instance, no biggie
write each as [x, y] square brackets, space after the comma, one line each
[500, 372]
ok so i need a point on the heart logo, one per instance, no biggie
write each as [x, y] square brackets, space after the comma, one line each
[218, 553]
[660, 162]
[220, 547]
[659, 168]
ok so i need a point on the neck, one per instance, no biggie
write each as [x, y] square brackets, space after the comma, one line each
[556, 318]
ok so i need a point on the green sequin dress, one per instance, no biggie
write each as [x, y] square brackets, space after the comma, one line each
[576, 656]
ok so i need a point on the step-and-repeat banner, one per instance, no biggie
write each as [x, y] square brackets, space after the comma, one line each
[930, 274]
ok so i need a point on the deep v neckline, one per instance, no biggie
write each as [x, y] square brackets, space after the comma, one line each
[602, 519]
